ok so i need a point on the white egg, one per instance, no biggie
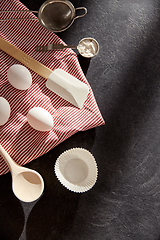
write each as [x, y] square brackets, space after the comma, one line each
[19, 77]
[4, 110]
[40, 119]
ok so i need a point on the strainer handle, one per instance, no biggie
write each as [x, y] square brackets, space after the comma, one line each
[85, 12]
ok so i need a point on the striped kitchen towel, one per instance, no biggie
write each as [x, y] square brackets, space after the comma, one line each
[18, 138]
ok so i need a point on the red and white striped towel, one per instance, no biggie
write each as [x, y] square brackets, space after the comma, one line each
[18, 138]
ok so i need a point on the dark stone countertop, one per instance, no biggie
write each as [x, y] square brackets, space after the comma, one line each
[125, 79]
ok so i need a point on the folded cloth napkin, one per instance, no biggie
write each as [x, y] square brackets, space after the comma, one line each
[19, 139]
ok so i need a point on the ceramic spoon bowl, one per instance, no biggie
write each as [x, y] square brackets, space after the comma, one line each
[27, 184]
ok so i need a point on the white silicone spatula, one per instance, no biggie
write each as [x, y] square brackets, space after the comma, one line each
[67, 86]
[27, 184]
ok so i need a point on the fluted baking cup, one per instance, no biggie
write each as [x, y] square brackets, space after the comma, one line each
[76, 169]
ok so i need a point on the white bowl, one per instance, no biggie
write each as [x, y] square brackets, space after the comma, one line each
[76, 169]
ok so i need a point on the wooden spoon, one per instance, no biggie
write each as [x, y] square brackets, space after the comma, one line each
[27, 184]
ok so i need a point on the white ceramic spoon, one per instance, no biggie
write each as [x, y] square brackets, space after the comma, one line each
[27, 184]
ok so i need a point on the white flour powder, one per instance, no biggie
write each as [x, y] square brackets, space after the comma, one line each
[87, 47]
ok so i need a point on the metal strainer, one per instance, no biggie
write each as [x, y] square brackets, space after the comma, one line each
[57, 16]
[54, 15]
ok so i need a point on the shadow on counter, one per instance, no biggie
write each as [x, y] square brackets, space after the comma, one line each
[11, 212]
[53, 215]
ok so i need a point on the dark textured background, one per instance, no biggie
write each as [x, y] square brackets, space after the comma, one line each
[125, 78]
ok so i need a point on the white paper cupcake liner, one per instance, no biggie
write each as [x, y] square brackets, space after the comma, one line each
[76, 169]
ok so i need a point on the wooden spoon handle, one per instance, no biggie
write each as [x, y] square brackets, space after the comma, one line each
[13, 166]
[25, 59]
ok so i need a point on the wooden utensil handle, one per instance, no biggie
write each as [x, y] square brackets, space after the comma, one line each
[10, 162]
[25, 59]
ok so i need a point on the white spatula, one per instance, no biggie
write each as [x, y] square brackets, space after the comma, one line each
[59, 81]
